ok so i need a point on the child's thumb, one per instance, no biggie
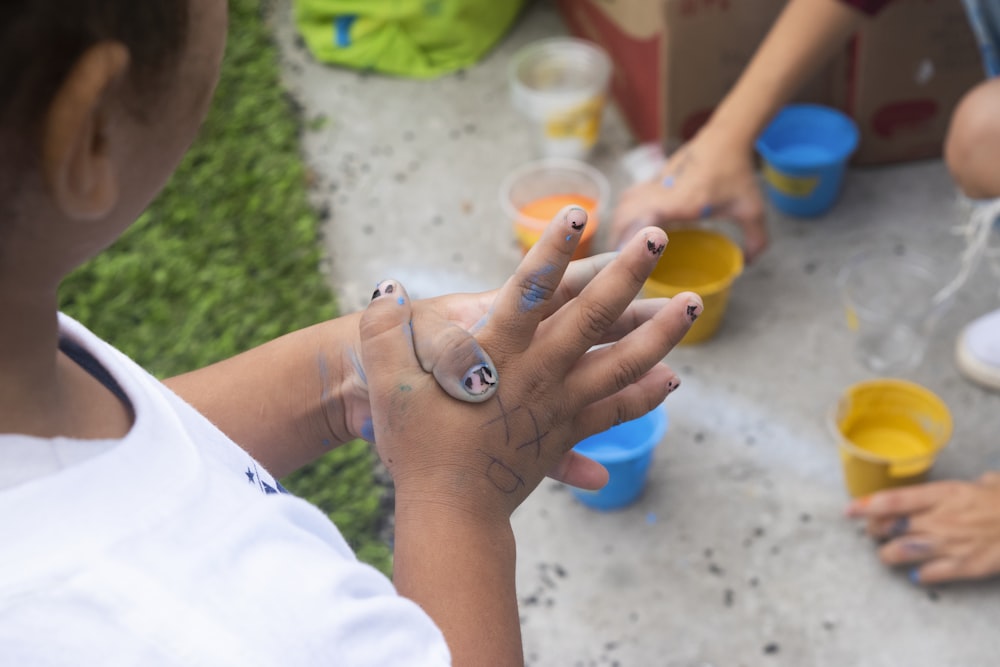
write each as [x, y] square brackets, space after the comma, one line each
[387, 352]
[453, 355]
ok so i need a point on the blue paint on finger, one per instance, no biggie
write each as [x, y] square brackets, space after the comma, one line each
[356, 363]
[368, 430]
[706, 210]
[667, 182]
[534, 291]
[914, 575]
[408, 332]
[899, 527]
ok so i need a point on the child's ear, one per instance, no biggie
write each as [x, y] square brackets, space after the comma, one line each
[77, 161]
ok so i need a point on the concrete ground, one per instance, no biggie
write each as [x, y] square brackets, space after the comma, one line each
[738, 553]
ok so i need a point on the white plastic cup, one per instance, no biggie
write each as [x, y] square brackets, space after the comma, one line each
[560, 84]
[890, 298]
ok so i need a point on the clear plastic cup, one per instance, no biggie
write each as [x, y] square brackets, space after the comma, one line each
[561, 85]
[890, 298]
[532, 194]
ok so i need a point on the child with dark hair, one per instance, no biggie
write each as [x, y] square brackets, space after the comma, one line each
[142, 521]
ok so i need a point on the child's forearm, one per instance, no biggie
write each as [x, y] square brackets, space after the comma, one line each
[806, 35]
[288, 401]
[460, 569]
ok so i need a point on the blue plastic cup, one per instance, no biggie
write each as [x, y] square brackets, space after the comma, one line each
[626, 451]
[805, 151]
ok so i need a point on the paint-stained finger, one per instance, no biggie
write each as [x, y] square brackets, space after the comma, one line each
[387, 350]
[525, 298]
[453, 355]
[907, 550]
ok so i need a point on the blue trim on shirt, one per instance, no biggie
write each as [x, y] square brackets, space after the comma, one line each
[87, 362]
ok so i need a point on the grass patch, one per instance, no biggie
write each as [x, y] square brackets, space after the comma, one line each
[228, 257]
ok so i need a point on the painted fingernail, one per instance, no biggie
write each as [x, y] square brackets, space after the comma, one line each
[706, 211]
[577, 218]
[694, 310]
[655, 246]
[668, 181]
[384, 287]
[672, 385]
[480, 380]
[914, 575]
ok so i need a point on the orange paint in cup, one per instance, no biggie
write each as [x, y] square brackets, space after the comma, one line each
[534, 193]
[534, 216]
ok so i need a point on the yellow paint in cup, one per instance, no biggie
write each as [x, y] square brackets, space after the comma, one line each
[700, 261]
[889, 433]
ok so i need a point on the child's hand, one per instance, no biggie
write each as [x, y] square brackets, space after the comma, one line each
[445, 345]
[711, 176]
[942, 531]
[485, 458]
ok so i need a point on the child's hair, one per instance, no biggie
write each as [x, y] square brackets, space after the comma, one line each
[40, 40]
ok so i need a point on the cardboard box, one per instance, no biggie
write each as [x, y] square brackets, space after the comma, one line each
[630, 31]
[672, 69]
[707, 45]
[904, 73]
[899, 78]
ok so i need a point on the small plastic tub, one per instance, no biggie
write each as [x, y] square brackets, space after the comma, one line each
[889, 433]
[626, 451]
[805, 151]
[701, 261]
[532, 194]
[561, 85]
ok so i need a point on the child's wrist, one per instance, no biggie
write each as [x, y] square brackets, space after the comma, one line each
[469, 507]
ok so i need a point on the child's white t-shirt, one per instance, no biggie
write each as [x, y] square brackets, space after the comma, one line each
[175, 547]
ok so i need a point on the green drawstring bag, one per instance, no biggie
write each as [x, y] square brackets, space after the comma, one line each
[414, 38]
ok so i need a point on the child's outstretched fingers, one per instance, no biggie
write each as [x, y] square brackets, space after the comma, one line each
[606, 370]
[604, 300]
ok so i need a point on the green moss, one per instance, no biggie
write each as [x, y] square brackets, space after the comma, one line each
[228, 257]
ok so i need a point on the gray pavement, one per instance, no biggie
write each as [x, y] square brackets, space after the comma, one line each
[738, 553]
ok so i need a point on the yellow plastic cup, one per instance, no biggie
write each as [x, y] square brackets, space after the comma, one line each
[700, 261]
[889, 433]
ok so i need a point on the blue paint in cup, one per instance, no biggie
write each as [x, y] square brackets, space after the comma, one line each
[805, 150]
[626, 451]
